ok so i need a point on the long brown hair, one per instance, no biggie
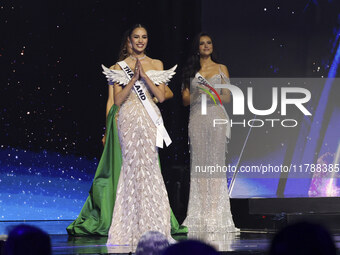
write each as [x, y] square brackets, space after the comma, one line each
[123, 53]
[193, 63]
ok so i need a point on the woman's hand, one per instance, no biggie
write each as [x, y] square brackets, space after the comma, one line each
[142, 74]
[136, 74]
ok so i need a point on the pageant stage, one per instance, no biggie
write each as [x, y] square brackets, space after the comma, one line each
[51, 144]
[248, 242]
[258, 218]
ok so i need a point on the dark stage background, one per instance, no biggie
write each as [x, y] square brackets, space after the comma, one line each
[53, 94]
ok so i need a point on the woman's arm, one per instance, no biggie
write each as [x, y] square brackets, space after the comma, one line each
[110, 100]
[186, 96]
[157, 91]
[120, 94]
[109, 104]
[225, 93]
[168, 93]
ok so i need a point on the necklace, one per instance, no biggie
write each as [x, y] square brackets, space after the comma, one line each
[134, 58]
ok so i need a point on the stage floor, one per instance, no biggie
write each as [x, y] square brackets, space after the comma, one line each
[235, 243]
[244, 242]
[241, 243]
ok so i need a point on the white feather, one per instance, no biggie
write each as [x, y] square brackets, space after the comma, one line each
[158, 77]
[164, 76]
[117, 76]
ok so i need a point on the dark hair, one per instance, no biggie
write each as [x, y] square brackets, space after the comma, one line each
[152, 242]
[190, 247]
[123, 53]
[134, 27]
[29, 240]
[193, 64]
[303, 238]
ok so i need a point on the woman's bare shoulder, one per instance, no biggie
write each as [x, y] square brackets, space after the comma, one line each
[157, 64]
[115, 67]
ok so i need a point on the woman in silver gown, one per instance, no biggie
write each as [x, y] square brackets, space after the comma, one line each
[141, 201]
[209, 206]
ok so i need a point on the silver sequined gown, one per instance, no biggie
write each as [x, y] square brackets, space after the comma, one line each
[142, 201]
[209, 206]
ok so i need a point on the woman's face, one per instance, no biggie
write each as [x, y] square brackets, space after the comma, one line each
[138, 39]
[205, 46]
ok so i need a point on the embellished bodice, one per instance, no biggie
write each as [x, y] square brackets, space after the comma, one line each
[214, 110]
[196, 87]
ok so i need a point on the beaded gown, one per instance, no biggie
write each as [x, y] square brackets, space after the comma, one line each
[209, 206]
[141, 201]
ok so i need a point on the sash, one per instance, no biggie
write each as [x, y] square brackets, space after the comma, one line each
[162, 134]
[205, 82]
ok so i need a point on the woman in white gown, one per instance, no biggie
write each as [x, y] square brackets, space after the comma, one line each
[209, 206]
[141, 201]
